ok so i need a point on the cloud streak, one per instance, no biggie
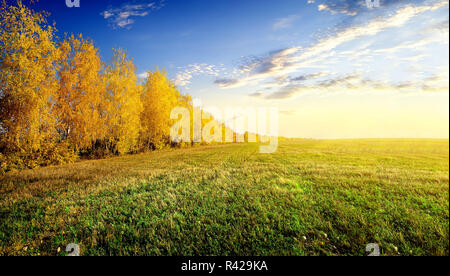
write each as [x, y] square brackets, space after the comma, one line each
[349, 7]
[124, 16]
[281, 63]
[333, 8]
[185, 76]
[355, 82]
[286, 22]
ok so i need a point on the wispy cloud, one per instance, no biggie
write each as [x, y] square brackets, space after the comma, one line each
[441, 27]
[124, 16]
[184, 77]
[348, 7]
[307, 77]
[280, 63]
[415, 44]
[274, 64]
[186, 73]
[143, 75]
[355, 82]
[286, 22]
[333, 9]
[290, 80]
[226, 82]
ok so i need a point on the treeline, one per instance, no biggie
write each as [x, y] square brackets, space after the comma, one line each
[60, 101]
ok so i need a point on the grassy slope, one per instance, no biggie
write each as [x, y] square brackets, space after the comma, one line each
[231, 200]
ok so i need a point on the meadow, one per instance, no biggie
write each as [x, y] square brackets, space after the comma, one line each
[311, 197]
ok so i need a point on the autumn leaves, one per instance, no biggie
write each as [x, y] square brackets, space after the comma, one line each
[58, 98]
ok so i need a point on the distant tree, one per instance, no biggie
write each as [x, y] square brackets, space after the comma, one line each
[59, 100]
[124, 106]
[159, 97]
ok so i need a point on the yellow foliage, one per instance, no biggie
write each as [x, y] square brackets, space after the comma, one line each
[59, 100]
[81, 95]
[124, 103]
[27, 77]
[159, 97]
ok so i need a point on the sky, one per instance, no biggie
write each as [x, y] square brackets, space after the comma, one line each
[334, 69]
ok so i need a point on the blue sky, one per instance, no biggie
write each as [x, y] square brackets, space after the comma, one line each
[180, 33]
[335, 69]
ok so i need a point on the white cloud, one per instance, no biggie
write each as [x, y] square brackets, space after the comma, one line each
[286, 22]
[323, 7]
[355, 82]
[344, 9]
[143, 75]
[184, 77]
[280, 63]
[123, 17]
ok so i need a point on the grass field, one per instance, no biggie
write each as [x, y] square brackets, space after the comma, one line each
[310, 198]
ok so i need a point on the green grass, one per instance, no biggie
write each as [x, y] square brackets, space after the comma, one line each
[310, 198]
